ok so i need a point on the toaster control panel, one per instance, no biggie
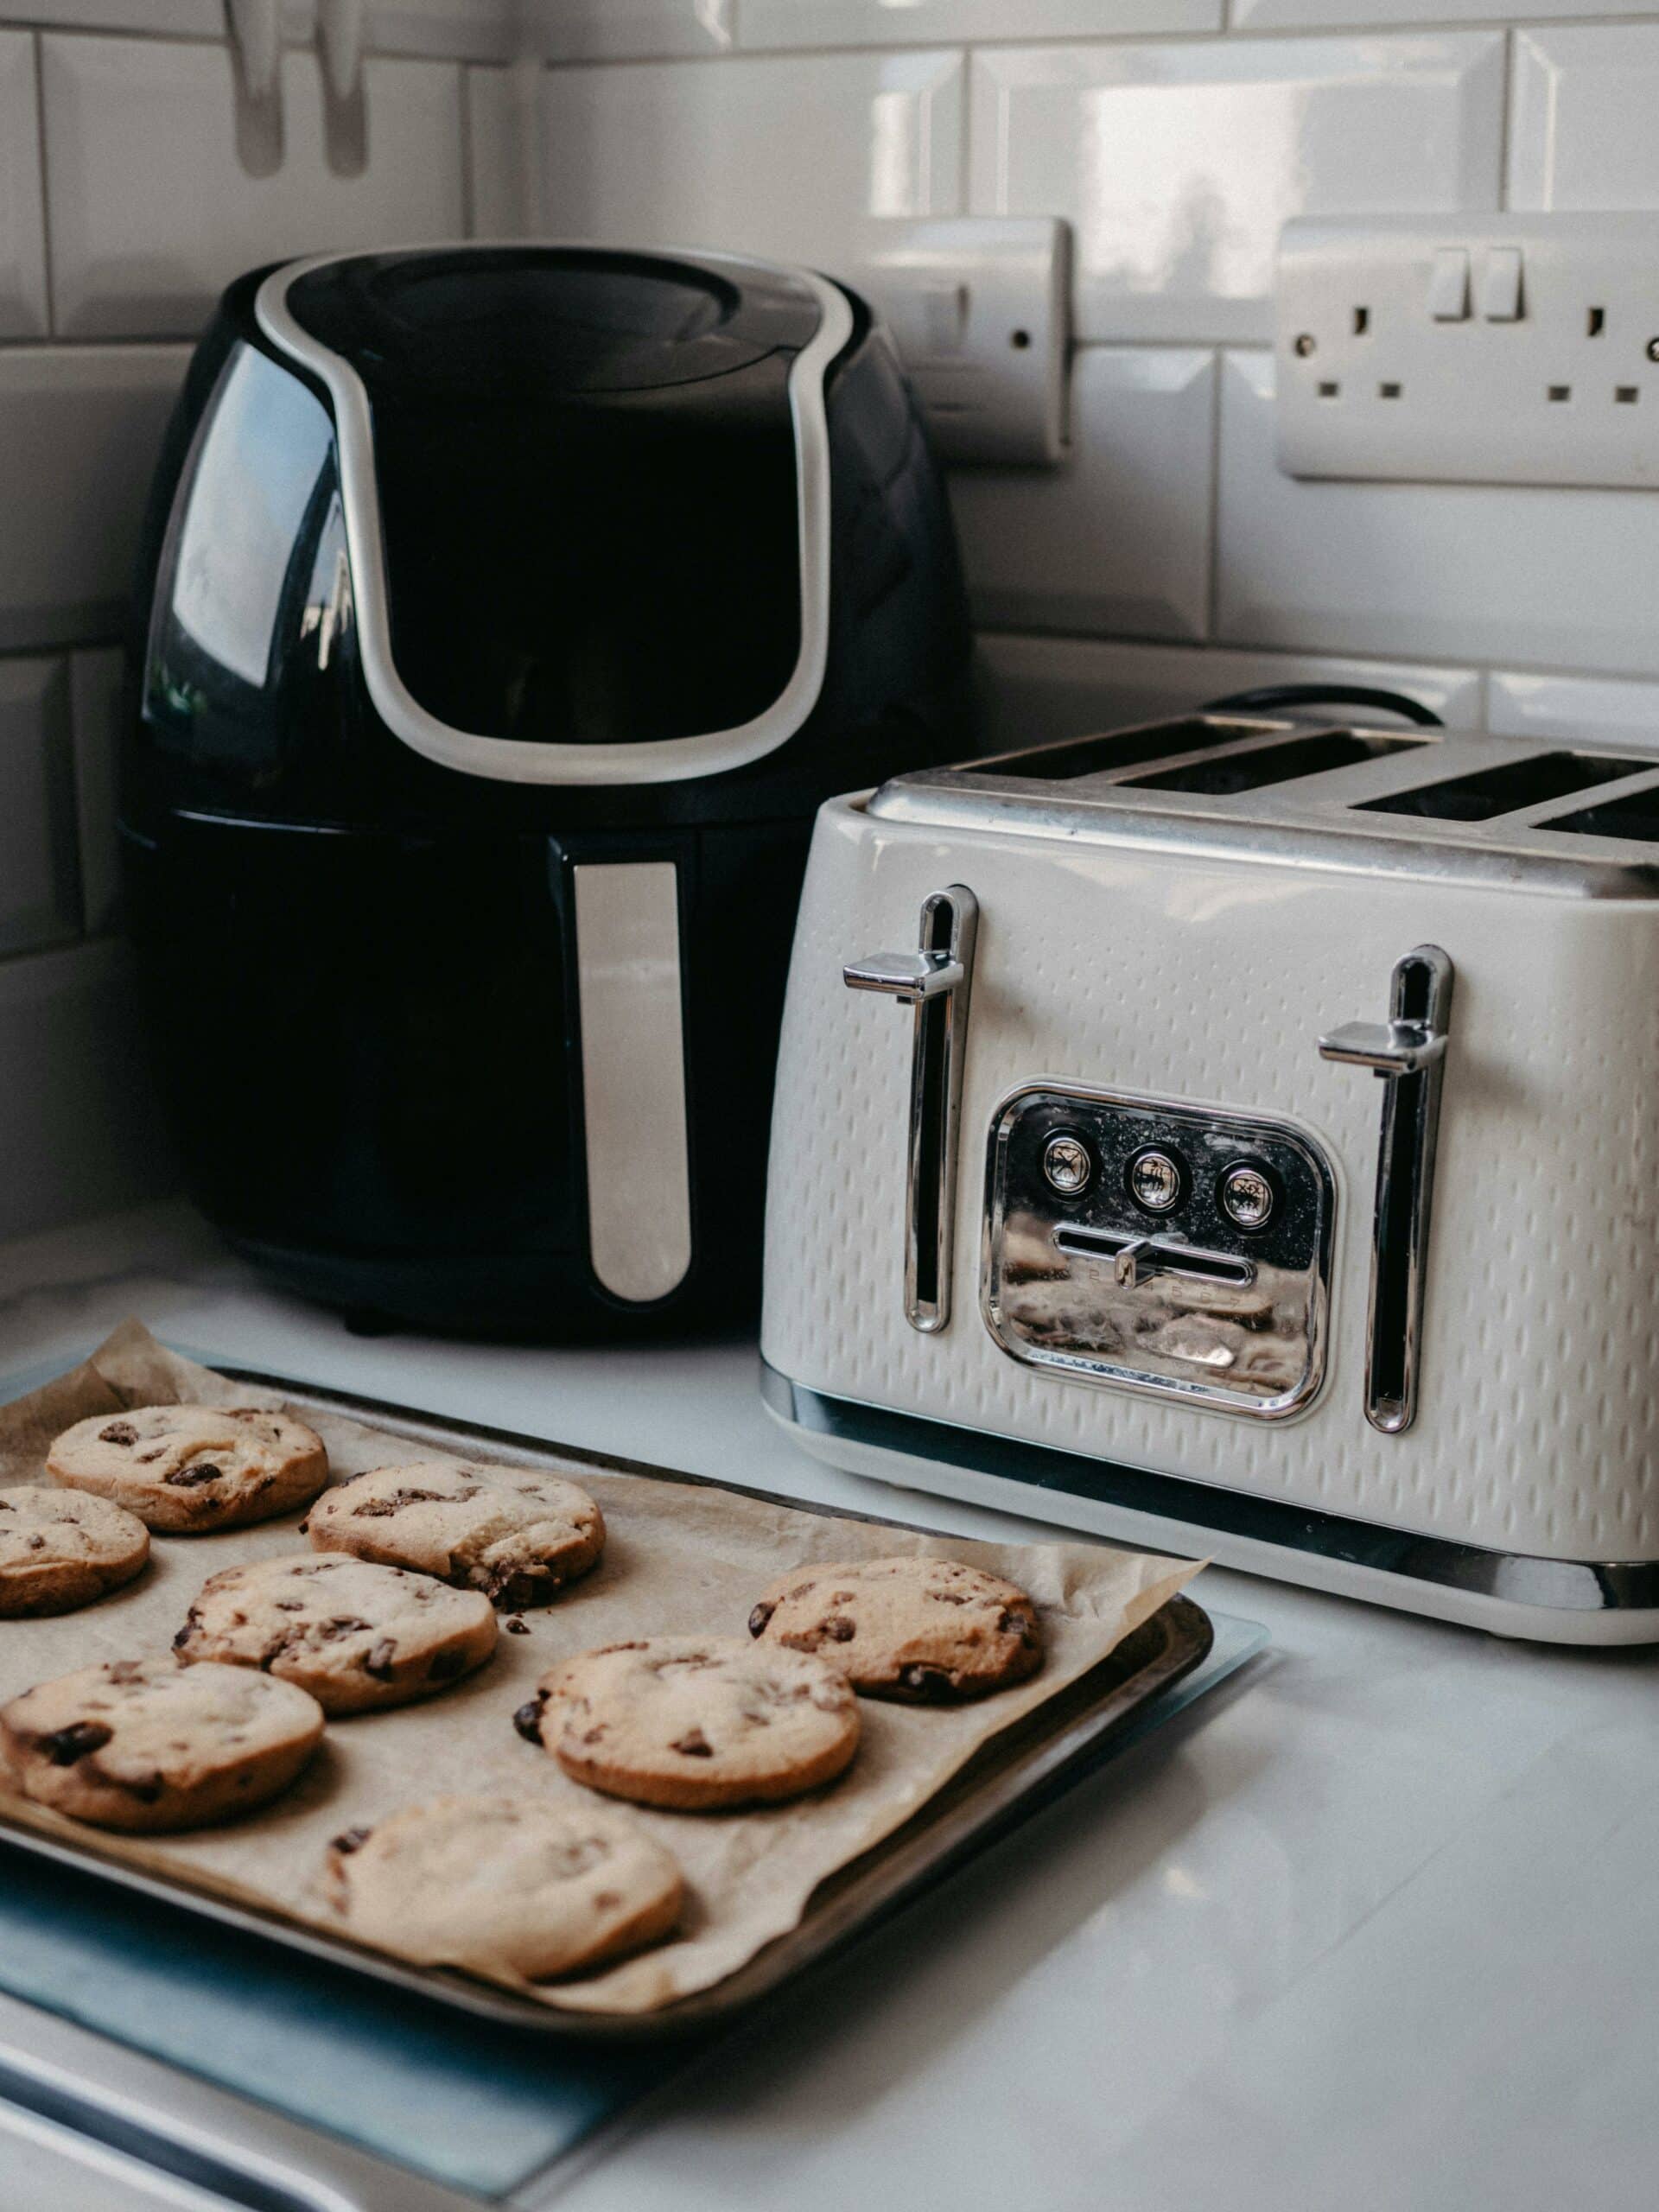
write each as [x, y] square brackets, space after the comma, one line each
[1157, 1247]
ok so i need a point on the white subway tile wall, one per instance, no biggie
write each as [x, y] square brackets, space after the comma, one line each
[1164, 562]
[22, 237]
[123, 211]
[1177, 165]
[1118, 537]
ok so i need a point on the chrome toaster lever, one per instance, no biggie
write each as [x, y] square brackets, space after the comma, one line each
[1409, 1052]
[909, 978]
[936, 980]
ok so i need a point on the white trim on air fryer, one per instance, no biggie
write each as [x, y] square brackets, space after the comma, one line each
[517, 760]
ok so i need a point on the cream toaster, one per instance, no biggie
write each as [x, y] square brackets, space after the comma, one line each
[1265, 1163]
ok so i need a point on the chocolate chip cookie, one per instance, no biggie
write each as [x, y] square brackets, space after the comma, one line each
[695, 1723]
[145, 1745]
[518, 1537]
[355, 1635]
[185, 1470]
[520, 1884]
[59, 1549]
[930, 1631]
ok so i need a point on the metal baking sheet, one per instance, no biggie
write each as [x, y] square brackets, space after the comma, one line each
[1001, 1786]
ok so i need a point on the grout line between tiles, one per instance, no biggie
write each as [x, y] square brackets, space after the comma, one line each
[1212, 593]
[1506, 120]
[46, 277]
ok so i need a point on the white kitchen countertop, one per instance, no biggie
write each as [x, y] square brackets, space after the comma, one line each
[1378, 1924]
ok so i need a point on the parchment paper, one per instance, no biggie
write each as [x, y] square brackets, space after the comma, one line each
[676, 1558]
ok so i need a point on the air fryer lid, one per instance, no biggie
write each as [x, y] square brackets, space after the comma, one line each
[588, 485]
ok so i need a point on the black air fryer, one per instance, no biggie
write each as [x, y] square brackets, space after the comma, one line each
[510, 612]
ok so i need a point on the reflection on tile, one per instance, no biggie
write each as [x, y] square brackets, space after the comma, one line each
[40, 895]
[1177, 164]
[1117, 538]
[152, 214]
[96, 693]
[878, 22]
[628, 30]
[79, 427]
[1464, 571]
[768, 155]
[22, 234]
[185, 18]
[1600, 710]
[1028, 691]
[83, 1133]
[1315, 14]
[1582, 134]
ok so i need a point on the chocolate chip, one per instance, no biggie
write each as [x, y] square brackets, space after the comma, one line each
[64, 1745]
[637, 1646]
[376, 1509]
[949, 1597]
[446, 1665]
[182, 1638]
[802, 1590]
[118, 1432]
[4, 1508]
[839, 1629]
[607, 1901]
[37, 1543]
[288, 1605]
[191, 1477]
[331, 1631]
[757, 1619]
[933, 1685]
[303, 1527]
[1019, 1624]
[694, 1745]
[528, 1719]
[350, 1840]
[517, 1626]
[379, 1663]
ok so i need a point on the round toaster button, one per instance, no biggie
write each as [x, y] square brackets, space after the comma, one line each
[1155, 1180]
[1247, 1195]
[1067, 1165]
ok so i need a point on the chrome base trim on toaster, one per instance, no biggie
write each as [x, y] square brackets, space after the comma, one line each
[1510, 1593]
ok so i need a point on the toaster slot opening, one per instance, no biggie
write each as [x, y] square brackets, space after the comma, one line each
[1635, 815]
[932, 1110]
[1314, 755]
[1491, 791]
[1116, 749]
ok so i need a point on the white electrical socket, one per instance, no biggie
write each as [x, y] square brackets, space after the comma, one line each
[977, 306]
[1470, 349]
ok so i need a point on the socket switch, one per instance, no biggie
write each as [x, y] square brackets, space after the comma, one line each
[977, 308]
[1470, 349]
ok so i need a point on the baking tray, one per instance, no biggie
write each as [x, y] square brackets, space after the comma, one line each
[1002, 1785]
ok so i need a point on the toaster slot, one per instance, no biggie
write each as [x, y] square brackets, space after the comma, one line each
[1407, 1052]
[1490, 791]
[1223, 773]
[1635, 817]
[1120, 748]
[936, 980]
